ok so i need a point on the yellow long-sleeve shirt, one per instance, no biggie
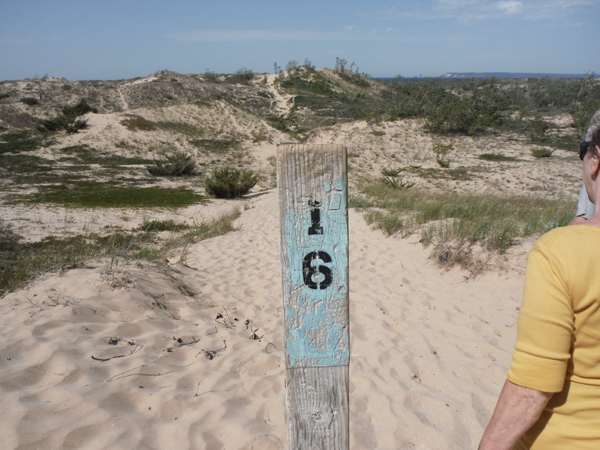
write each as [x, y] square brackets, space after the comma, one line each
[558, 338]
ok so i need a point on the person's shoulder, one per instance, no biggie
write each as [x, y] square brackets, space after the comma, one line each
[569, 236]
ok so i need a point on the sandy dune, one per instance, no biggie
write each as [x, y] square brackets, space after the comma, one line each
[119, 357]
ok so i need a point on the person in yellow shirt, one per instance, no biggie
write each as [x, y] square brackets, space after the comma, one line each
[551, 399]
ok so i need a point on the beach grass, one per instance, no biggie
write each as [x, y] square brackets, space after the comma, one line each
[461, 220]
[21, 261]
[101, 195]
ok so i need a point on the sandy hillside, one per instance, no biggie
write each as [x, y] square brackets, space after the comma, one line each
[126, 354]
[106, 358]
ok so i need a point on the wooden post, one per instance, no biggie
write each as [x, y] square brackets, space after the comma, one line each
[313, 214]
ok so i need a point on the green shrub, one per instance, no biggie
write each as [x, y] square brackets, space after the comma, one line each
[30, 101]
[162, 225]
[229, 182]
[79, 109]
[541, 152]
[68, 120]
[138, 123]
[179, 164]
[441, 151]
[496, 157]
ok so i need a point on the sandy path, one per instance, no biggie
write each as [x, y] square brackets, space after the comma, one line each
[429, 350]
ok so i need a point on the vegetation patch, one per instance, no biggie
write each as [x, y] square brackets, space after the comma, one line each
[497, 158]
[88, 155]
[179, 164]
[138, 123]
[68, 120]
[229, 182]
[215, 145]
[98, 195]
[181, 127]
[461, 221]
[541, 152]
[24, 141]
[162, 225]
[21, 261]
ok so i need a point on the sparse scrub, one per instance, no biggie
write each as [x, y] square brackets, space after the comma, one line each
[441, 152]
[215, 145]
[138, 123]
[541, 152]
[462, 221]
[68, 120]
[179, 164]
[20, 261]
[229, 182]
[162, 225]
[496, 157]
[99, 195]
[30, 101]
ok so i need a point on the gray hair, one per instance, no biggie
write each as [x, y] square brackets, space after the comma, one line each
[594, 125]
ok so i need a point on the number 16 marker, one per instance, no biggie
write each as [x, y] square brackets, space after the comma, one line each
[313, 201]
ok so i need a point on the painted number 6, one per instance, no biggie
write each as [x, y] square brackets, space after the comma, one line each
[310, 269]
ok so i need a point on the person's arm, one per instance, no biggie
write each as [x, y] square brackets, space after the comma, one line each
[518, 408]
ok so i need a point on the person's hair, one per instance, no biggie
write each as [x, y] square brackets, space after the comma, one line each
[596, 137]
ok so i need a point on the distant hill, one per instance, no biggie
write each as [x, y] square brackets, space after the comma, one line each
[485, 75]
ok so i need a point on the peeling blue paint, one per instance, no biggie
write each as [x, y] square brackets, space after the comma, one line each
[317, 318]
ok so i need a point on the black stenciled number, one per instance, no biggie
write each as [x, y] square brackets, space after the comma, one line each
[308, 270]
[315, 218]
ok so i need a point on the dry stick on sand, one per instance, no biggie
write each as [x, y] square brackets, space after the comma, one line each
[118, 376]
[137, 348]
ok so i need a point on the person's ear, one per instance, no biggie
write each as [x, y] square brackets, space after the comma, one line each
[596, 163]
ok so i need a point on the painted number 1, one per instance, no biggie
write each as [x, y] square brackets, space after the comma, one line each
[315, 275]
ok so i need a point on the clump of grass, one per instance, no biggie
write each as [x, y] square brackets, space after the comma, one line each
[21, 261]
[99, 195]
[229, 182]
[30, 101]
[462, 220]
[389, 224]
[181, 127]
[441, 152]
[138, 123]
[541, 152]
[179, 164]
[162, 225]
[378, 133]
[391, 172]
[496, 157]
[23, 141]
[68, 120]
[395, 183]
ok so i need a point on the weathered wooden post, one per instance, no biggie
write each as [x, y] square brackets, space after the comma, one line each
[313, 209]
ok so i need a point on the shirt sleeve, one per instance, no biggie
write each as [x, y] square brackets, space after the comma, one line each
[585, 208]
[545, 326]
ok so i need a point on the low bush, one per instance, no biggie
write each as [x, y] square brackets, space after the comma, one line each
[229, 182]
[138, 123]
[30, 101]
[496, 157]
[162, 225]
[68, 120]
[541, 152]
[179, 164]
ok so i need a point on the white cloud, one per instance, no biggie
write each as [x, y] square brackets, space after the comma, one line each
[510, 7]
[469, 10]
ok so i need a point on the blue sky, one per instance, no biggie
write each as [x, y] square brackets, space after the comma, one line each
[107, 39]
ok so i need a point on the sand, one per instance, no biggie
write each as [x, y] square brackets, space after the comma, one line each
[121, 356]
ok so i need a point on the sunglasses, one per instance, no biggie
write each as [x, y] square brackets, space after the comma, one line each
[583, 148]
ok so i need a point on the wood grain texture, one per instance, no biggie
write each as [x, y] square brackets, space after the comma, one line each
[313, 204]
[317, 399]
